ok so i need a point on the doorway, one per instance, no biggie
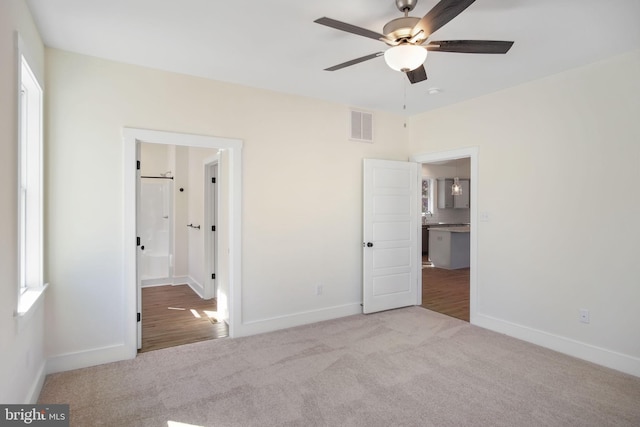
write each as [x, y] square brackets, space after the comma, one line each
[176, 222]
[229, 225]
[449, 287]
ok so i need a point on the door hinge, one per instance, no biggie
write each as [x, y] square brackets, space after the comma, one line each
[138, 317]
[137, 241]
[213, 180]
[138, 164]
[213, 228]
[213, 275]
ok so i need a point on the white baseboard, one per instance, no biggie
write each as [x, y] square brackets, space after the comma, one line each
[36, 387]
[296, 319]
[193, 284]
[601, 356]
[180, 280]
[84, 359]
[197, 287]
[149, 283]
[173, 281]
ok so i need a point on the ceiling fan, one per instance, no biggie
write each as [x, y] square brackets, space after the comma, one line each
[407, 35]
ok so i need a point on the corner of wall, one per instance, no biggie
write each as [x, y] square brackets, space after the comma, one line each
[36, 387]
[91, 357]
[611, 359]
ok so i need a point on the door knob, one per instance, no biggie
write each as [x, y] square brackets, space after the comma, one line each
[369, 244]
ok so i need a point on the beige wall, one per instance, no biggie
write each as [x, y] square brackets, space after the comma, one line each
[559, 166]
[545, 253]
[21, 342]
[301, 192]
[155, 159]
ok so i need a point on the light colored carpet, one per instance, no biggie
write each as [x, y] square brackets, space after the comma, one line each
[407, 367]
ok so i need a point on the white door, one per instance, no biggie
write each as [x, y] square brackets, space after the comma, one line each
[390, 245]
[138, 248]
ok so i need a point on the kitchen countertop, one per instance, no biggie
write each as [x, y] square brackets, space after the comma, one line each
[442, 225]
[464, 229]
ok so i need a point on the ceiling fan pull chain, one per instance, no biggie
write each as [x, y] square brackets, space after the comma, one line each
[404, 106]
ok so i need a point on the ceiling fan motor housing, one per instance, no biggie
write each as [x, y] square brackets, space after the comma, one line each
[399, 29]
[406, 5]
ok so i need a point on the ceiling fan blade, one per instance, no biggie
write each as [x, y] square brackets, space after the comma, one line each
[441, 13]
[418, 75]
[469, 46]
[354, 61]
[343, 26]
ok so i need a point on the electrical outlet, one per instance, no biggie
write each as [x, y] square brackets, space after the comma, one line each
[485, 216]
[318, 290]
[584, 315]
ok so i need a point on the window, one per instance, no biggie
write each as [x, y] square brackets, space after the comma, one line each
[30, 228]
[427, 197]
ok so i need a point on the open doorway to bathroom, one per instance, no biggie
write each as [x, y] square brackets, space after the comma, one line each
[446, 229]
[176, 225]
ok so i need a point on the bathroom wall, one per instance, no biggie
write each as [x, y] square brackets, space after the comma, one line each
[196, 208]
[187, 167]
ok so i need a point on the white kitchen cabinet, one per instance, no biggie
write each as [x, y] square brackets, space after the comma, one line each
[449, 248]
[462, 201]
[445, 198]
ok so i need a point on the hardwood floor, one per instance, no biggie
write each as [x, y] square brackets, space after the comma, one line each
[176, 315]
[446, 291]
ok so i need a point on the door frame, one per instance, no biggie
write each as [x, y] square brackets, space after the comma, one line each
[211, 204]
[131, 137]
[472, 154]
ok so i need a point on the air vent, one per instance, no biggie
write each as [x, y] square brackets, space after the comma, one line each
[361, 126]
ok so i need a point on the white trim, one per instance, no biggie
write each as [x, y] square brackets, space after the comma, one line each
[472, 154]
[152, 283]
[27, 303]
[210, 218]
[601, 356]
[167, 281]
[30, 210]
[131, 137]
[298, 319]
[36, 387]
[92, 357]
[195, 286]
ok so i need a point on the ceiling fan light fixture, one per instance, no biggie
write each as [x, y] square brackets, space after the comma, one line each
[405, 57]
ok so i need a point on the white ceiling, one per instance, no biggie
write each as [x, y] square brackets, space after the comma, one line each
[274, 44]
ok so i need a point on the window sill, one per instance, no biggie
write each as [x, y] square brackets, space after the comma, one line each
[28, 301]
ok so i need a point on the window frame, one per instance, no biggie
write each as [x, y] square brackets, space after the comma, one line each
[429, 208]
[30, 184]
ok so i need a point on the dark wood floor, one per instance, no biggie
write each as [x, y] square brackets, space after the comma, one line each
[176, 315]
[446, 291]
